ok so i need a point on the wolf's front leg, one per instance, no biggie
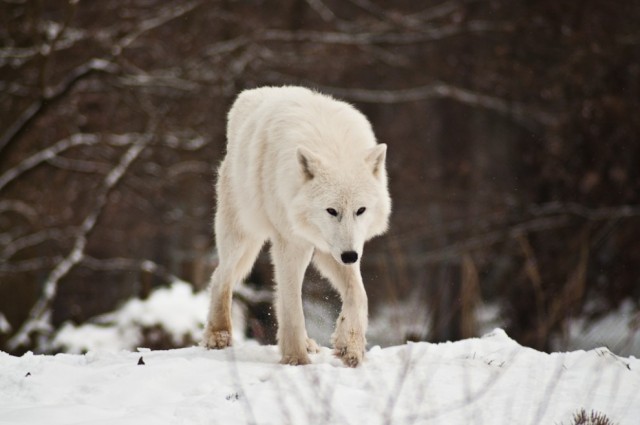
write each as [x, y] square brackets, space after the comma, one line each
[290, 262]
[349, 337]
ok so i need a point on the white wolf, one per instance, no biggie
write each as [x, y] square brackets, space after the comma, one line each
[303, 171]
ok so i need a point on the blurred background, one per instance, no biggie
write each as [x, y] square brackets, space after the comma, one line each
[514, 161]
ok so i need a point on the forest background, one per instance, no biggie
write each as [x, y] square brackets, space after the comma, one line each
[514, 155]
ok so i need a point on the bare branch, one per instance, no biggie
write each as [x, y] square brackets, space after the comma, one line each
[415, 21]
[19, 207]
[56, 35]
[165, 15]
[32, 264]
[198, 167]
[375, 10]
[45, 155]
[227, 46]
[5, 326]
[34, 239]
[39, 314]
[18, 56]
[323, 10]
[522, 114]
[426, 34]
[189, 143]
[51, 95]
[149, 80]
[129, 264]
[437, 12]
[78, 165]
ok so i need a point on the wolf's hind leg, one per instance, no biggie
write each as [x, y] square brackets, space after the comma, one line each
[232, 268]
[237, 252]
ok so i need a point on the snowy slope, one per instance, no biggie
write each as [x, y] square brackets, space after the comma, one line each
[489, 380]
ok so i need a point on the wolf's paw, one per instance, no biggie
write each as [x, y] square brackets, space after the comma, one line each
[295, 360]
[349, 346]
[312, 346]
[350, 357]
[216, 339]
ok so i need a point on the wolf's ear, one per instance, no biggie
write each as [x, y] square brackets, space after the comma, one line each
[309, 162]
[375, 158]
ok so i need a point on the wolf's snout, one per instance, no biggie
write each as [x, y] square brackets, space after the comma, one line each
[349, 257]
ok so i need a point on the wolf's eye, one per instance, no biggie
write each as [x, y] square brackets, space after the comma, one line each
[332, 212]
[361, 210]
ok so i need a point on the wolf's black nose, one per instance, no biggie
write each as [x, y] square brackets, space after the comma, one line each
[349, 257]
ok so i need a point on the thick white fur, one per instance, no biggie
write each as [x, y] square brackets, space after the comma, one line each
[292, 154]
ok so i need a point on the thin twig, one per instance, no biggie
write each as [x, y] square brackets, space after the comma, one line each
[39, 314]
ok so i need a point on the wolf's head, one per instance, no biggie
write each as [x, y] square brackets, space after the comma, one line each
[342, 204]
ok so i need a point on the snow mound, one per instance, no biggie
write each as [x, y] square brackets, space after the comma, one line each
[176, 311]
[488, 380]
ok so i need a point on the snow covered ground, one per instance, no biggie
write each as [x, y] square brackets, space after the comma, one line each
[488, 380]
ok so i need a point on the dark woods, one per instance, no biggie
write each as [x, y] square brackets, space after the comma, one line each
[512, 126]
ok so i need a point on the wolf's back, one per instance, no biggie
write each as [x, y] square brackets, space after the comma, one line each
[250, 100]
